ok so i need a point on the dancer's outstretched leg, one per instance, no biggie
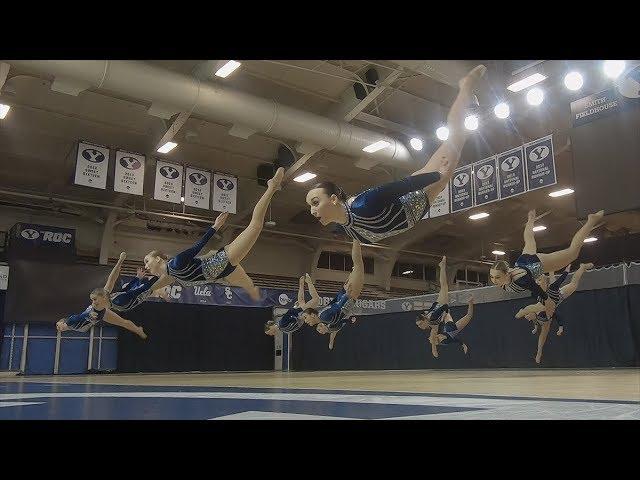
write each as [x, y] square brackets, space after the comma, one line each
[558, 260]
[242, 244]
[446, 157]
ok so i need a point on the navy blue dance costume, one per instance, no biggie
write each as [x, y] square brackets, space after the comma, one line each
[132, 294]
[125, 298]
[388, 209]
[338, 312]
[291, 321]
[554, 294]
[82, 322]
[530, 270]
[435, 314]
[450, 330]
[189, 270]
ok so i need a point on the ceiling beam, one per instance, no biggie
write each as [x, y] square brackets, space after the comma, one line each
[348, 117]
[201, 72]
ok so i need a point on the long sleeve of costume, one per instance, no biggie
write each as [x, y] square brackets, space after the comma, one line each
[182, 259]
[131, 285]
[393, 190]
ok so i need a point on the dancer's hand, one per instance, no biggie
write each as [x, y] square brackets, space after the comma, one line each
[140, 273]
[123, 255]
[220, 220]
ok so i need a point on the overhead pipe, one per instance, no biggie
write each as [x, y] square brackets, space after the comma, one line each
[175, 92]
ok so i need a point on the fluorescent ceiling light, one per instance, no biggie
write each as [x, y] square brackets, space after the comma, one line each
[478, 216]
[227, 69]
[407, 272]
[498, 252]
[305, 177]
[590, 239]
[560, 193]
[539, 228]
[167, 147]
[526, 82]
[374, 147]
[4, 109]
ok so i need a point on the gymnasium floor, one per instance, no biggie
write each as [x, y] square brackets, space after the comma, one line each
[407, 395]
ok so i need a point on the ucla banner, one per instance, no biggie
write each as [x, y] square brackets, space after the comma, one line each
[216, 294]
[92, 164]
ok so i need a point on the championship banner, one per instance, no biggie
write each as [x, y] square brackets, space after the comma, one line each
[440, 204]
[4, 276]
[129, 174]
[485, 178]
[225, 192]
[197, 188]
[461, 189]
[168, 182]
[92, 164]
[541, 168]
[511, 173]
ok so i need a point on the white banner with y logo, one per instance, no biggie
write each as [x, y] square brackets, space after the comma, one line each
[225, 192]
[92, 164]
[129, 174]
[197, 188]
[168, 182]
